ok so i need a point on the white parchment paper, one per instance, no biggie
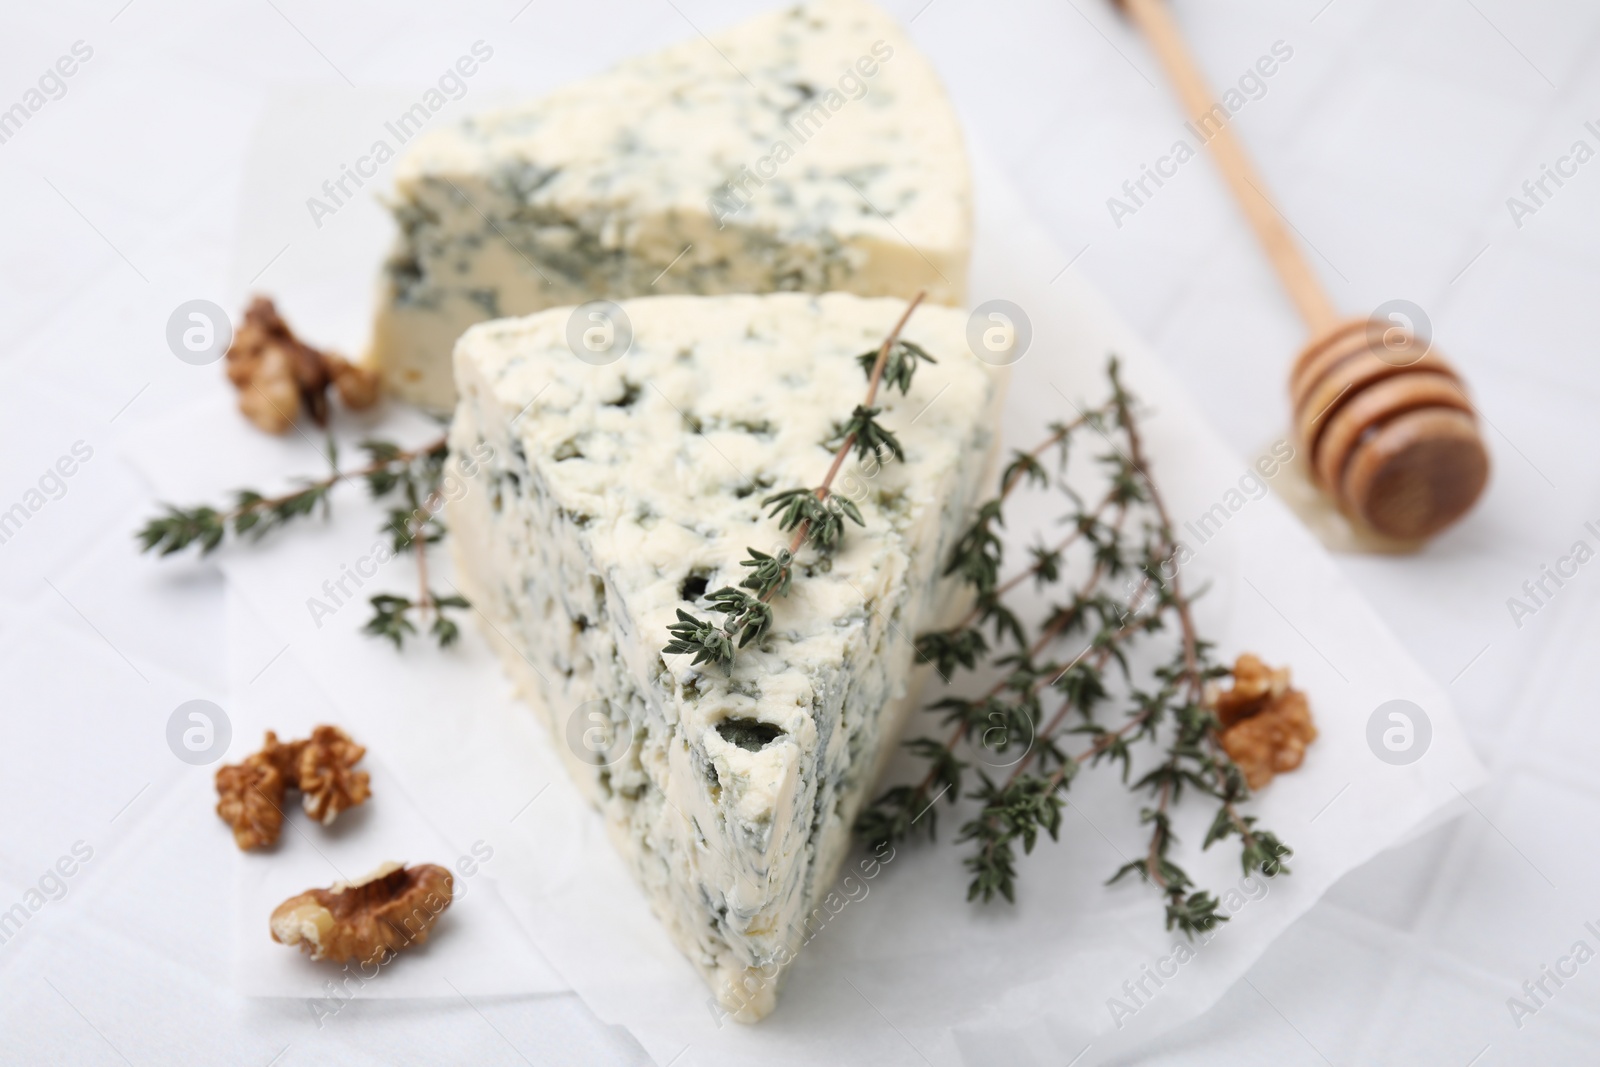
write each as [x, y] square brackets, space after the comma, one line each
[908, 972]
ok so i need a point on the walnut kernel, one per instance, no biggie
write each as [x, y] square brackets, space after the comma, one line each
[250, 799]
[1266, 724]
[278, 375]
[369, 919]
[325, 777]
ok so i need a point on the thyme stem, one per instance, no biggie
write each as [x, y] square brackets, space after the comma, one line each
[823, 490]
[1190, 637]
[403, 456]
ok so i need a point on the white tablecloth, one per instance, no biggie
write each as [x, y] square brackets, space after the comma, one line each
[1394, 135]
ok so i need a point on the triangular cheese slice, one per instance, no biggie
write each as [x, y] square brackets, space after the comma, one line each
[810, 149]
[604, 498]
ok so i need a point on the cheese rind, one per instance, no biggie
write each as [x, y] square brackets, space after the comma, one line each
[605, 498]
[809, 149]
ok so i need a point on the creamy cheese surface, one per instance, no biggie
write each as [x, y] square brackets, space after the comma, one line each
[605, 498]
[809, 149]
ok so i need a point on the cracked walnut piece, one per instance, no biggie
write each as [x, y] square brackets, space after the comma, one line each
[1266, 725]
[369, 919]
[250, 799]
[251, 794]
[277, 374]
[325, 775]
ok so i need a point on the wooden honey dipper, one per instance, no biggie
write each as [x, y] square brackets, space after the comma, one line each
[1382, 420]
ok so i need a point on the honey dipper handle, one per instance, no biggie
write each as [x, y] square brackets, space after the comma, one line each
[1211, 121]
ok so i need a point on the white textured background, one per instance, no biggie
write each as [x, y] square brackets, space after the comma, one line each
[1393, 138]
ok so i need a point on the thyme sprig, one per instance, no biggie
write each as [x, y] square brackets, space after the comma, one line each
[255, 514]
[813, 516]
[411, 477]
[1055, 685]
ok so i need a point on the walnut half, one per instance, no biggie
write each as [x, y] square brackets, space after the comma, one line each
[1266, 724]
[369, 919]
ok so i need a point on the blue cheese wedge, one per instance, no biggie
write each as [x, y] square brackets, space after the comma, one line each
[604, 498]
[811, 149]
